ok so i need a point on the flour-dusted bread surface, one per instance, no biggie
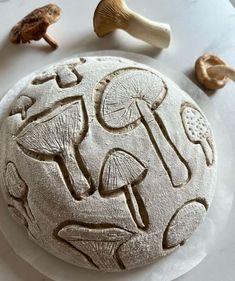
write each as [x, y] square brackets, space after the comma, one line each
[107, 163]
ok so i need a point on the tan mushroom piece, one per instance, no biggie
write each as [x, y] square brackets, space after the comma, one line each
[34, 26]
[212, 72]
[114, 14]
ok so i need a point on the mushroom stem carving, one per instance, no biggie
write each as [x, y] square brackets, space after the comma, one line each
[131, 97]
[56, 135]
[34, 26]
[100, 245]
[212, 72]
[114, 14]
[122, 171]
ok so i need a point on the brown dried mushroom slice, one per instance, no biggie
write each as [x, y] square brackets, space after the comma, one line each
[34, 25]
[122, 171]
[113, 14]
[100, 245]
[212, 72]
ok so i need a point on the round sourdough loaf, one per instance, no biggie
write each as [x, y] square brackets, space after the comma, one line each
[107, 163]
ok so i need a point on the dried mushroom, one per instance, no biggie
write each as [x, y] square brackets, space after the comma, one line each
[114, 14]
[212, 72]
[34, 26]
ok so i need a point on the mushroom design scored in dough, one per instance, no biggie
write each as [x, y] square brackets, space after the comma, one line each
[122, 172]
[183, 223]
[21, 105]
[212, 72]
[66, 76]
[18, 192]
[99, 245]
[130, 97]
[34, 26]
[113, 14]
[57, 134]
[197, 131]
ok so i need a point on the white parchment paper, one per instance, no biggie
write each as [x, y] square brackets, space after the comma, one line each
[169, 267]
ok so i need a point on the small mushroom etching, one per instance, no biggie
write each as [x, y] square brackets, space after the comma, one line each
[66, 76]
[21, 105]
[56, 135]
[34, 26]
[197, 130]
[18, 191]
[113, 14]
[130, 97]
[212, 72]
[183, 223]
[121, 171]
[99, 245]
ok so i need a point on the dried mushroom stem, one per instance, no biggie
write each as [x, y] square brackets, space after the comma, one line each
[50, 41]
[221, 71]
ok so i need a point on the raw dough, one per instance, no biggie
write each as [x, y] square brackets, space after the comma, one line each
[107, 163]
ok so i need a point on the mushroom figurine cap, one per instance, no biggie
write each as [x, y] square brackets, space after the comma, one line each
[209, 81]
[109, 15]
[34, 25]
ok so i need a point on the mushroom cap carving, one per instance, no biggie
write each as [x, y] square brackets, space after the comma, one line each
[195, 124]
[121, 169]
[128, 88]
[54, 132]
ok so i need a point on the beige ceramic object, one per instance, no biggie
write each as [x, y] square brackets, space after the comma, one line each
[107, 163]
[114, 14]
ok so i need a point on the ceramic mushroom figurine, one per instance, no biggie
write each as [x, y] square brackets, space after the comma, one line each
[212, 72]
[34, 26]
[113, 14]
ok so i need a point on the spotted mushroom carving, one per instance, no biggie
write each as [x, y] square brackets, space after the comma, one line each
[21, 105]
[197, 130]
[130, 97]
[18, 192]
[121, 171]
[99, 244]
[57, 135]
[183, 223]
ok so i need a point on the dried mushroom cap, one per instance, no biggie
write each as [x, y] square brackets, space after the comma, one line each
[204, 77]
[34, 25]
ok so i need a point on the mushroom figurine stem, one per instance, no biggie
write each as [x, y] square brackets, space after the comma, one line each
[221, 71]
[155, 33]
[212, 72]
[114, 14]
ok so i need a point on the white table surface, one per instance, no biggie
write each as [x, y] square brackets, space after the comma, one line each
[198, 26]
